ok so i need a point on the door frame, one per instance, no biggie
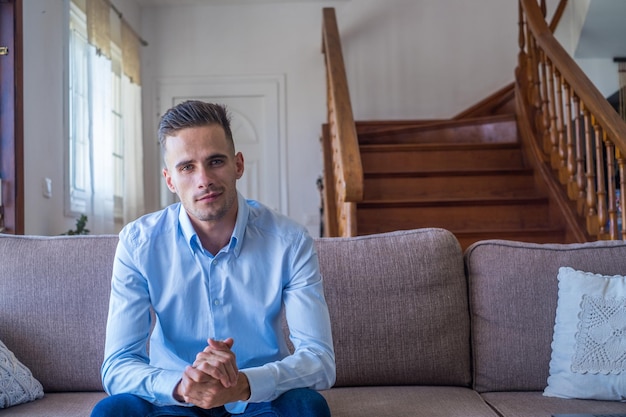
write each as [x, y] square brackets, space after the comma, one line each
[12, 117]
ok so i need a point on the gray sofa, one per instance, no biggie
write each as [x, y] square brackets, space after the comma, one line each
[420, 328]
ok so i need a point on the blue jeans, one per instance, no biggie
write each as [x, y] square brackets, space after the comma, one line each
[302, 402]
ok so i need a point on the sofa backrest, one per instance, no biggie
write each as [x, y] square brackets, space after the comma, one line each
[398, 306]
[513, 292]
[54, 298]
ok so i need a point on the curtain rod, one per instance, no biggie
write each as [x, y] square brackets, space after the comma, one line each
[121, 16]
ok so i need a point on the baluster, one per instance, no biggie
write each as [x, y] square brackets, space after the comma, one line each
[521, 56]
[343, 220]
[580, 158]
[534, 82]
[591, 187]
[553, 144]
[538, 66]
[622, 187]
[600, 180]
[560, 128]
[610, 176]
[571, 156]
[349, 219]
[529, 70]
[545, 108]
[336, 164]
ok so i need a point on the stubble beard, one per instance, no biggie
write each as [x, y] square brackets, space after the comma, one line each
[215, 211]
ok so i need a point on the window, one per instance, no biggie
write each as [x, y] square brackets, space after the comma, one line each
[104, 123]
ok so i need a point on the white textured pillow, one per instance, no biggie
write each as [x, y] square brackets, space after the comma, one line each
[17, 384]
[589, 343]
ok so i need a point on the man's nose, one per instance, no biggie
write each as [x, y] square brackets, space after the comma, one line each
[206, 178]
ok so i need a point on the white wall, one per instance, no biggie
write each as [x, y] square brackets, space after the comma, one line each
[404, 58]
[426, 59]
[44, 117]
[571, 24]
[602, 71]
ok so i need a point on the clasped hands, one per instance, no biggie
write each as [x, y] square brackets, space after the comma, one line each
[214, 378]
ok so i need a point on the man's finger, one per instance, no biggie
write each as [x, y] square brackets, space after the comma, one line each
[221, 344]
[218, 360]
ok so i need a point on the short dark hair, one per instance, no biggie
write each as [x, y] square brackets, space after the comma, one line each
[194, 113]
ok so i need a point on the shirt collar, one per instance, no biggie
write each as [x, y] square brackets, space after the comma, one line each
[192, 239]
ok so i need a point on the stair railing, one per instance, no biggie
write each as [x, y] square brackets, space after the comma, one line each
[343, 176]
[578, 133]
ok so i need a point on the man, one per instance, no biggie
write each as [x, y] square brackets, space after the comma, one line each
[206, 281]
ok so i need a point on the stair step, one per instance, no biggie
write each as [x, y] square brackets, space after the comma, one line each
[507, 214]
[476, 130]
[467, 175]
[449, 185]
[453, 202]
[372, 126]
[435, 157]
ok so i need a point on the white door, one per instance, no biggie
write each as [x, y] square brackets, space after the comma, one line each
[256, 106]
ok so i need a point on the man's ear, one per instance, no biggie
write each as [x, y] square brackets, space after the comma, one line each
[239, 164]
[168, 180]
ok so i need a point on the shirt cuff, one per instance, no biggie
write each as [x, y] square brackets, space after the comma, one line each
[164, 387]
[262, 385]
[236, 408]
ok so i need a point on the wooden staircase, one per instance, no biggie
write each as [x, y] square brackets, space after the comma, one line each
[542, 160]
[468, 176]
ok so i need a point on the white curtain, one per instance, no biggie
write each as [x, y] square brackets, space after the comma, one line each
[133, 151]
[102, 146]
[108, 157]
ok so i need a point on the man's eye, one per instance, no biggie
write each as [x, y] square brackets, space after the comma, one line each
[186, 168]
[215, 162]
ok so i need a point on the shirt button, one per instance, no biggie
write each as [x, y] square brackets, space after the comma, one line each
[216, 302]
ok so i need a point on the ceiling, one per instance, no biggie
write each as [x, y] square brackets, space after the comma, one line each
[603, 34]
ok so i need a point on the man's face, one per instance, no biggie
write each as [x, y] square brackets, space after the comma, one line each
[202, 169]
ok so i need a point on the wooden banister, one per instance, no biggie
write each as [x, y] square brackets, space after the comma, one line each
[347, 172]
[575, 129]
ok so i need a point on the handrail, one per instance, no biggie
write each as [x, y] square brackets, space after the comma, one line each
[556, 16]
[347, 170]
[582, 137]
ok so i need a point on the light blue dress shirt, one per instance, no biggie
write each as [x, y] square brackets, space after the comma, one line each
[269, 263]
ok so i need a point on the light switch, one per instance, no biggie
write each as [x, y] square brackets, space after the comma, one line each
[46, 187]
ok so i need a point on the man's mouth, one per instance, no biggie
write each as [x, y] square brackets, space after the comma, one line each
[208, 197]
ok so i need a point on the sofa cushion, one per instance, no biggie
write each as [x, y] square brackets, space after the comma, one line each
[17, 385]
[589, 344]
[534, 404]
[398, 306]
[513, 296]
[59, 404]
[414, 401]
[54, 296]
